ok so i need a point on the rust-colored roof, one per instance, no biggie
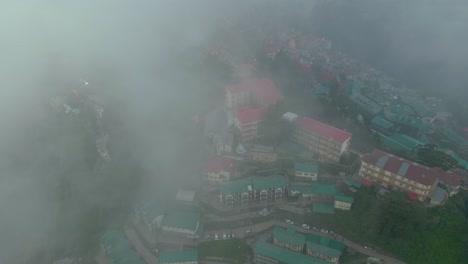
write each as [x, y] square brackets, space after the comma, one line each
[323, 129]
[250, 114]
[405, 168]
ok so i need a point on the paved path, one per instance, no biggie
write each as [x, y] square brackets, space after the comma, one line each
[240, 233]
[140, 248]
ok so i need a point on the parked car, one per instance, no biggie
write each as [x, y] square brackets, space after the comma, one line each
[216, 236]
[305, 226]
[332, 232]
[324, 231]
[289, 222]
[229, 236]
[224, 236]
[233, 235]
[209, 237]
[315, 228]
[248, 231]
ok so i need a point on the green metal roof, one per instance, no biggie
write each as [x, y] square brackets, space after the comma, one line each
[325, 241]
[284, 255]
[119, 248]
[324, 208]
[269, 182]
[185, 220]
[330, 252]
[289, 236]
[453, 136]
[178, 256]
[351, 182]
[365, 103]
[398, 141]
[323, 188]
[236, 186]
[344, 198]
[305, 189]
[306, 167]
[378, 121]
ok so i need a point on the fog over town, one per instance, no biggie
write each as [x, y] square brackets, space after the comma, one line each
[108, 105]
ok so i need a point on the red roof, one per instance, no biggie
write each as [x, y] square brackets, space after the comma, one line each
[218, 164]
[323, 129]
[405, 168]
[448, 177]
[248, 114]
[263, 88]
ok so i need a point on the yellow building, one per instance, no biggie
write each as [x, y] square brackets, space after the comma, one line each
[397, 173]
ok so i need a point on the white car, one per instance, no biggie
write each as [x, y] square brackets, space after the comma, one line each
[232, 235]
[224, 236]
[289, 222]
[305, 226]
[216, 236]
[324, 231]
[248, 231]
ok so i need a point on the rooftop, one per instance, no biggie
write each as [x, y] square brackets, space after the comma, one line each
[178, 256]
[324, 208]
[217, 165]
[185, 195]
[405, 168]
[344, 198]
[262, 88]
[269, 182]
[304, 189]
[365, 103]
[185, 220]
[236, 186]
[325, 241]
[323, 129]
[378, 121]
[248, 114]
[323, 188]
[351, 182]
[438, 195]
[284, 255]
[306, 167]
[289, 236]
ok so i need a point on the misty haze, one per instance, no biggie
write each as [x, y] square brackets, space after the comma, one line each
[221, 131]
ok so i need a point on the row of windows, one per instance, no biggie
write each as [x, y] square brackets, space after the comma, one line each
[399, 184]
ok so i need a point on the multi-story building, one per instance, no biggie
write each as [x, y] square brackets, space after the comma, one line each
[178, 257]
[397, 173]
[249, 100]
[324, 248]
[343, 202]
[323, 191]
[182, 224]
[218, 169]
[238, 192]
[252, 91]
[327, 141]
[289, 238]
[247, 120]
[306, 171]
[271, 188]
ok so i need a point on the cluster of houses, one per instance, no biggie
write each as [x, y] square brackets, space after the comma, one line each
[292, 247]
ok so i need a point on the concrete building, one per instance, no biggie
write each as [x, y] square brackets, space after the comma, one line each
[224, 143]
[178, 257]
[270, 188]
[306, 171]
[182, 224]
[324, 248]
[238, 192]
[248, 120]
[289, 238]
[327, 141]
[218, 169]
[249, 100]
[343, 202]
[252, 91]
[397, 173]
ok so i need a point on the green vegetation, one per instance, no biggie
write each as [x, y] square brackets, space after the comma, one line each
[356, 258]
[232, 250]
[407, 229]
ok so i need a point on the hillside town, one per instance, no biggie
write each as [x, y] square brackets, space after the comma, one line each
[269, 170]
